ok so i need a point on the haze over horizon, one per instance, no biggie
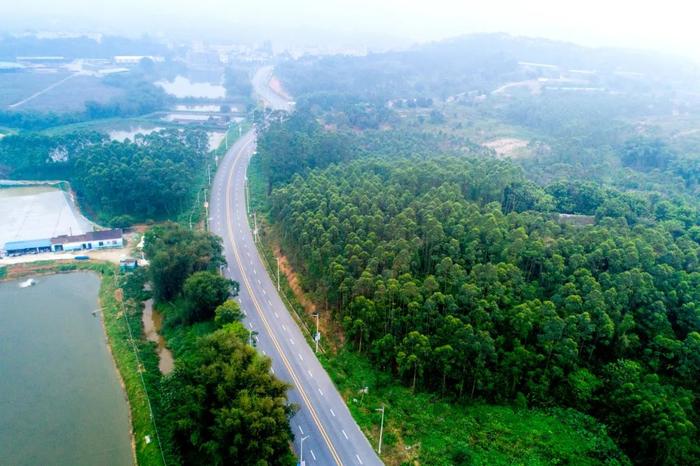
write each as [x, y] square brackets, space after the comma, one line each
[371, 24]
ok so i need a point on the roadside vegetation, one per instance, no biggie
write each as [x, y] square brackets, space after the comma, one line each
[221, 405]
[457, 276]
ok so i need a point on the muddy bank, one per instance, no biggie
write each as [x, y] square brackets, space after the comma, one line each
[152, 323]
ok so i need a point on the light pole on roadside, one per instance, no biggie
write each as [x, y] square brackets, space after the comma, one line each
[247, 196]
[381, 430]
[317, 336]
[301, 447]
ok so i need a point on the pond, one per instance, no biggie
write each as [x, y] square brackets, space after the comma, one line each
[62, 402]
[182, 87]
[122, 135]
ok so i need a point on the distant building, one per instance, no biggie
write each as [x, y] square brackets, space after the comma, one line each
[135, 59]
[8, 67]
[47, 60]
[128, 263]
[90, 240]
[575, 220]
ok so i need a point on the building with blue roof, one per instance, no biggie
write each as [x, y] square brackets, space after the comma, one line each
[35, 246]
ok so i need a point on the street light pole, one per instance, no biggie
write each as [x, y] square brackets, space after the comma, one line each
[381, 430]
[318, 335]
[247, 195]
[301, 459]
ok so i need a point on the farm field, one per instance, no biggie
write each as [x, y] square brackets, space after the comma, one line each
[17, 86]
[71, 95]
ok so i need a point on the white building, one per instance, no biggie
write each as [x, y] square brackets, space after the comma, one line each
[91, 240]
[136, 59]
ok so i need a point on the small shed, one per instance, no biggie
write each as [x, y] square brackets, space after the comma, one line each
[127, 264]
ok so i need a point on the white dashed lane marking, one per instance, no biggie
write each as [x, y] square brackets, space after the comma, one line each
[319, 390]
[300, 357]
[358, 459]
[345, 435]
[332, 412]
[312, 454]
[300, 429]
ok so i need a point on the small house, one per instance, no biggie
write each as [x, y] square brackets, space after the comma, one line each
[90, 240]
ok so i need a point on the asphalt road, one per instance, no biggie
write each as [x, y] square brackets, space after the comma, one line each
[323, 420]
[269, 97]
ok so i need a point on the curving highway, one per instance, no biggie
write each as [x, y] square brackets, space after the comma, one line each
[331, 436]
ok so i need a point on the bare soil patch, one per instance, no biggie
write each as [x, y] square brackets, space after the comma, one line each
[276, 85]
[508, 147]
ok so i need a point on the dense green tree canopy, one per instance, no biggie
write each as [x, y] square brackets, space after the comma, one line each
[435, 279]
[150, 177]
[175, 253]
[223, 406]
[204, 291]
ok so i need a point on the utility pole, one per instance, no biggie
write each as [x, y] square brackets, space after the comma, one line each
[247, 195]
[301, 456]
[317, 336]
[381, 430]
[206, 210]
[255, 227]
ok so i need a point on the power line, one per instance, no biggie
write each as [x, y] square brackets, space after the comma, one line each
[138, 369]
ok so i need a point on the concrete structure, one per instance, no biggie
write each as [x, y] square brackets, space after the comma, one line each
[8, 67]
[90, 240]
[46, 60]
[36, 246]
[135, 59]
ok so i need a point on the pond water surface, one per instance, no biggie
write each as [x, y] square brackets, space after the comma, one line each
[61, 401]
[182, 87]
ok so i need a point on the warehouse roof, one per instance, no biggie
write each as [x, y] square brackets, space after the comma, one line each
[28, 244]
[89, 236]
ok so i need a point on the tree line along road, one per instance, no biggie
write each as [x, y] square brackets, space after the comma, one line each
[330, 434]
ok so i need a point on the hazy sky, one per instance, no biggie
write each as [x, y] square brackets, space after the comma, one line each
[669, 25]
